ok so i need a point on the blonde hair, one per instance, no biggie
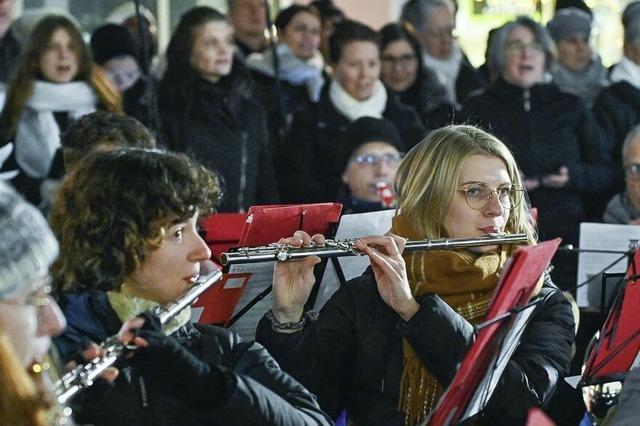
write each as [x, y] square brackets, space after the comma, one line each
[427, 178]
[22, 402]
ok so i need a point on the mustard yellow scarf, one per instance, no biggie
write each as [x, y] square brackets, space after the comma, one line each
[466, 282]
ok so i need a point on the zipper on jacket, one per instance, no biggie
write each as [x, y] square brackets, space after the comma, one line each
[527, 100]
[144, 397]
[243, 171]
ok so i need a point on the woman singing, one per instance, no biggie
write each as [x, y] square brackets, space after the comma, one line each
[133, 244]
[387, 343]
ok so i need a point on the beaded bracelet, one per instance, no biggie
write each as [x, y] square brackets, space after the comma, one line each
[290, 327]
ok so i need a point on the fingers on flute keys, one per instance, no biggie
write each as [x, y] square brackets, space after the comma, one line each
[390, 245]
[301, 239]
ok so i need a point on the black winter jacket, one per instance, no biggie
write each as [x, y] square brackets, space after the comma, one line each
[225, 128]
[315, 154]
[546, 129]
[617, 109]
[260, 393]
[351, 357]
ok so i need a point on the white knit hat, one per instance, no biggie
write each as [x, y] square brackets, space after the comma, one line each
[27, 245]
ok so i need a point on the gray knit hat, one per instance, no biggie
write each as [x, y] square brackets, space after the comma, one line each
[569, 21]
[27, 245]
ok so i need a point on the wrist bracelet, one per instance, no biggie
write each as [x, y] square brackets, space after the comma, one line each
[291, 326]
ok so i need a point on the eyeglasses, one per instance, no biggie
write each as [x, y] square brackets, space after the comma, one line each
[442, 34]
[39, 297]
[404, 61]
[517, 46]
[633, 170]
[477, 195]
[374, 160]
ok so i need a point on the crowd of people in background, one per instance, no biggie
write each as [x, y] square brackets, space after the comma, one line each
[322, 111]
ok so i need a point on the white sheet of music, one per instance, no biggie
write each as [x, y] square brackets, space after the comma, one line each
[601, 236]
[352, 226]
[261, 279]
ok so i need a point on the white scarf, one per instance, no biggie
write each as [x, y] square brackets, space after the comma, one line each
[627, 71]
[447, 70]
[291, 68]
[352, 108]
[38, 134]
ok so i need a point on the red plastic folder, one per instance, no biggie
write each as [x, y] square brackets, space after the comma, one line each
[487, 357]
[537, 417]
[222, 232]
[619, 341]
[260, 226]
[267, 224]
[220, 300]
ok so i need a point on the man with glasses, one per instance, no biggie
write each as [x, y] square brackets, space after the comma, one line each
[368, 176]
[434, 24]
[625, 207]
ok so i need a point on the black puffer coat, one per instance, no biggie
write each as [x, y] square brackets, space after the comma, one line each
[225, 128]
[617, 109]
[315, 154]
[351, 357]
[260, 393]
[546, 129]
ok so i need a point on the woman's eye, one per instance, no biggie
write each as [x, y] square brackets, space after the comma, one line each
[505, 191]
[178, 234]
[474, 192]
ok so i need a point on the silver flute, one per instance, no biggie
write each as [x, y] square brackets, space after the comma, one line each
[341, 248]
[83, 375]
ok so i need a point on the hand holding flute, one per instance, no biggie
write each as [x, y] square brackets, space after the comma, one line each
[293, 281]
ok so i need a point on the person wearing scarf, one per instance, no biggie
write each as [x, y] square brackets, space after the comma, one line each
[54, 84]
[617, 108]
[132, 244]
[579, 70]
[386, 344]
[312, 158]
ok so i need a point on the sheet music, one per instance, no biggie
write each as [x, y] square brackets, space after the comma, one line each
[601, 236]
[352, 226]
[261, 279]
[490, 380]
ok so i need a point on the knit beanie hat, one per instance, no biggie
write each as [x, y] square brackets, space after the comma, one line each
[370, 129]
[568, 22]
[27, 245]
[110, 41]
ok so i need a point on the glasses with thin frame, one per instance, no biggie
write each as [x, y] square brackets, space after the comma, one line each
[633, 170]
[389, 159]
[477, 195]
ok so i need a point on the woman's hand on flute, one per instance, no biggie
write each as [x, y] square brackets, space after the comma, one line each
[294, 279]
[385, 255]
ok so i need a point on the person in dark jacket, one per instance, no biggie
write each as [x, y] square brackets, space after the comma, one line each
[132, 244]
[54, 84]
[386, 344]
[208, 110]
[553, 135]
[434, 25]
[367, 180]
[116, 50]
[624, 207]
[404, 73]
[314, 153]
[617, 108]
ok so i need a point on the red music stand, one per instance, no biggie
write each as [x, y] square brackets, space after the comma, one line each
[619, 343]
[487, 357]
[260, 226]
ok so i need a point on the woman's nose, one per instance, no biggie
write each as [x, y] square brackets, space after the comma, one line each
[200, 250]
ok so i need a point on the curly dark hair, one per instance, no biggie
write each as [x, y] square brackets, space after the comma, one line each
[112, 210]
[102, 128]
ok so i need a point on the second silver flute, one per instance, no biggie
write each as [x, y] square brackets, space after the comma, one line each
[83, 375]
[340, 248]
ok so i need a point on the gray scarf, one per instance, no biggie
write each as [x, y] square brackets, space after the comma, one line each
[585, 84]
